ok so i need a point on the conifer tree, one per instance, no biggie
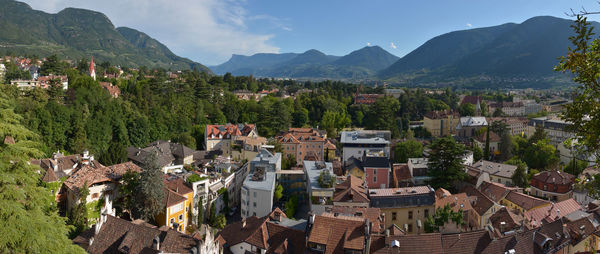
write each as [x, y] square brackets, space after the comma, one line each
[150, 191]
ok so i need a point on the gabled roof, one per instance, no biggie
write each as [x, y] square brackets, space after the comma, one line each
[552, 212]
[376, 162]
[400, 174]
[171, 198]
[166, 152]
[456, 202]
[351, 190]
[511, 220]
[554, 177]
[525, 201]
[495, 191]
[338, 234]
[370, 213]
[50, 176]
[494, 168]
[471, 99]
[117, 235]
[177, 184]
[473, 121]
[481, 203]
[91, 174]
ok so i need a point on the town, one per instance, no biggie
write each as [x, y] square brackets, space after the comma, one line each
[491, 172]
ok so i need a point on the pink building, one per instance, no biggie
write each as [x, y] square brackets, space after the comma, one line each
[377, 170]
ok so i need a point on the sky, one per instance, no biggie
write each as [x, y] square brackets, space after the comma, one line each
[210, 31]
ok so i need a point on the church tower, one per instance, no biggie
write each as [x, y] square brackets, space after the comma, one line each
[92, 69]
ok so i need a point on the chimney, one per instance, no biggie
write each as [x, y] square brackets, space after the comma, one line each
[387, 233]
[156, 243]
[243, 223]
[502, 225]
[277, 216]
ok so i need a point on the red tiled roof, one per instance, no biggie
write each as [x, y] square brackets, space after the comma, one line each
[525, 201]
[471, 99]
[481, 203]
[372, 214]
[552, 212]
[92, 174]
[171, 198]
[338, 234]
[113, 90]
[554, 177]
[511, 220]
[177, 185]
[441, 114]
[400, 173]
[351, 190]
[495, 191]
[9, 140]
[406, 191]
[228, 129]
[50, 176]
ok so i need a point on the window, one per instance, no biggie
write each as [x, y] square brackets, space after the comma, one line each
[394, 216]
[180, 217]
[409, 227]
[410, 215]
[255, 194]
[172, 220]
[426, 213]
[254, 204]
[545, 187]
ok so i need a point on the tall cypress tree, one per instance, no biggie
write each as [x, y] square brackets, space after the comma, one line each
[150, 191]
[486, 151]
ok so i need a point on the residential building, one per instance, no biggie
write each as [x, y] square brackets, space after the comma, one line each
[509, 108]
[100, 180]
[394, 92]
[293, 182]
[115, 235]
[337, 235]
[377, 171]
[246, 147]
[554, 185]
[366, 99]
[25, 84]
[2, 71]
[208, 243]
[63, 165]
[351, 193]
[178, 200]
[441, 123]
[484, 206]
[406, 207]
[259, 186]
[496, 191]
[320, 182]
[373, 215]
[506, 220]
[221, 137]
[170, 157]
[47, 81]
[556, 130]
[273, 233]
[480, 141]
[523, 202]
[113, 90]
[459, 202]
[401, 176]
[554, 211]
[472, 99]
[497, 172]
[469, 125]
[418, 168]
[357, 143]
[353, 166]
[303, 144]
[516, 126]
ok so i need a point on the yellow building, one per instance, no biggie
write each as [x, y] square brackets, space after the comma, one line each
[441, 123]
[523, 202]
[178, 202]
[405, 207]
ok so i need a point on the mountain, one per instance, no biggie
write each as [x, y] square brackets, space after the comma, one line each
[517, 53]
[77, 33]
[358, 64]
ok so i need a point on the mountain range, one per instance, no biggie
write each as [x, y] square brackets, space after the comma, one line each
[508, 54]
[77, 33]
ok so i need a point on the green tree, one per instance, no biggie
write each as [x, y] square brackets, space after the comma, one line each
[78, 215]
[519, 177]
[486, 150]
[278, 192]
[127, 189]
[445, 163]
[443, 215]
[498, 112]
[288, 162]
[151, 191]
[506, 146]
[200, 218]
[220, 221]
[382, 115]
[290, 206]
[575, 167]
[541, 155]
[212, 216]
[326, 179]
[477, 153]
[115, 154]
[538, 135]
[407, 149]
[467, 109]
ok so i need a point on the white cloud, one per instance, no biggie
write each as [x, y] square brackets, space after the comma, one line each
[392, 45]
[469, 25]
[208, 31]
[368, 44]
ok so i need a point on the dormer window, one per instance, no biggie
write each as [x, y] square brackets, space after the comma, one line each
[220, 135]
[212, 135]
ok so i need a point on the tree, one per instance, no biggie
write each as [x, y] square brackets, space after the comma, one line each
[78, 216]
[445, 163]
[290, 206]
[212, 216]
[288, 162]
[505, 146]
[443, 215]
[583, 61]
[477, 153]
[200, 211]
[220, 221]
[498, 127]
[575, 167]
[486, 150]
[28, 223]
[382, 115]
[128, 187]
[407, 149]
[150, 191]
[541, 155]
[519, 177]
[466, 109]
[538, 135]
[115, 154]
[498, 112]
[278, 192]
[326, 180]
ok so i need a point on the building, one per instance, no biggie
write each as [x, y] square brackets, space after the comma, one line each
[469, 125]
[406, 207]
[101, 181]
[401, 176]
[170, 157]
[516, 126]
[178, 200]
[303, 144]
[366, 99]
[25, 84]
[479, 141]
[495, 191]
[351, 193]
[115, 235]
[246, 147]
[373, 215]
[459, 202]
[337, 235]
[556, 130]
[509, 108]
[394, 92]
[47, 81]
[418, 168]
[273, 233]
[208, 243]
[259, 186]
[357, 143]
[221, 137]
[548, 214]
[441, 123]
[320, 182]
[497, 172]
[377, 171]
[113, 90]
[92, 68]
[554, 185]
[483, 206]
[63, 165]
[523, 202]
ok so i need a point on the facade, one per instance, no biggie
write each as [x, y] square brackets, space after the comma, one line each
[479, 140]
[221, 137]
[401, 176]
[517, 126]
[357, 143]
[553, 185]
[469, 125]
[47, 81]
[377, 170]
[498, 172]
[556, 129]
[418, 168]
[484, 206]
[405, 207]
[523, 202]
[303, 144]
[178, 201]
[259, 186]
[441, 123]
[320, 193]
[171, 157]
[509, 108]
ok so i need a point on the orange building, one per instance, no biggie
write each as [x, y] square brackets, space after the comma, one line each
[178, 202]
[303, 143]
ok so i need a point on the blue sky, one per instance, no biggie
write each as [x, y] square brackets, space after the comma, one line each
[210, 31]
